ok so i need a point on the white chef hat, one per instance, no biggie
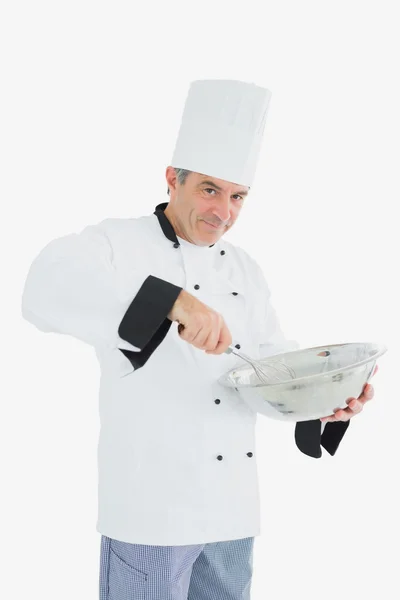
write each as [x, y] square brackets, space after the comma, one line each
[222, 128]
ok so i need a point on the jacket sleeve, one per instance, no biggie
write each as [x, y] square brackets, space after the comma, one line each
[73, 288]
[309, 435]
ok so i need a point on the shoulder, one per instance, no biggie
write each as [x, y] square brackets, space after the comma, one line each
[118, 229]
[120, 225]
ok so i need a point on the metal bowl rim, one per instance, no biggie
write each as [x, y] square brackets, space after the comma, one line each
[381, 349]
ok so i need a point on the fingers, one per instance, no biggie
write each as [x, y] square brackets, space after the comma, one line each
[339, 415]
[211, 341]
[367, 393]
[225, 340]
[330, 419]
[354, 406]
[213, 335]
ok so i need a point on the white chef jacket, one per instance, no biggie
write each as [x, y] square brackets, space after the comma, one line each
[176, 452]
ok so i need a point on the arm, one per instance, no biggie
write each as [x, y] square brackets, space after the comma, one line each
[309, 435]
[73, 288]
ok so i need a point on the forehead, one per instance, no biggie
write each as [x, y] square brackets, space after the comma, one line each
[220, 183]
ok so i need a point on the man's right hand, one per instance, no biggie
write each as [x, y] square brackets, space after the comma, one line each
[200, 325]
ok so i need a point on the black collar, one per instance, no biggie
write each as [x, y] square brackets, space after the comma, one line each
[165, 225]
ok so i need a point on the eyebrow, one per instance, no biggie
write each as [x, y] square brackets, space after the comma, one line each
[208, 182]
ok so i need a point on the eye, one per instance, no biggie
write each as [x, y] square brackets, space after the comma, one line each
[212, 190]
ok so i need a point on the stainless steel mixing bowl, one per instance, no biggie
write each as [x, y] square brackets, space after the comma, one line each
[324, 378]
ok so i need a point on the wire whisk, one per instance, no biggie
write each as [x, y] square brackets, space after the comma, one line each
[273, 373]
[265, 373]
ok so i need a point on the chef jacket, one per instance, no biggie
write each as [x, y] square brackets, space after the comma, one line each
[176, 452]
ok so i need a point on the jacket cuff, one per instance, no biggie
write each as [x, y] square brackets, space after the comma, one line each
[333, 434]
[148, 311]
[307, 436]
[309, 440]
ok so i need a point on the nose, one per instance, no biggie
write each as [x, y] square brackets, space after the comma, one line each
[222, 209]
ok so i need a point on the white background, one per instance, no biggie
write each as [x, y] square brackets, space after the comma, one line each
[92, 97]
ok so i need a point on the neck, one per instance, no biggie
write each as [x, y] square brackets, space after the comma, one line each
[169, 213]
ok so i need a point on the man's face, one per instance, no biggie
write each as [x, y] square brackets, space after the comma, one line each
[204, 208]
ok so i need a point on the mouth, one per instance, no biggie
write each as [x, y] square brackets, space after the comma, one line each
[213, 226]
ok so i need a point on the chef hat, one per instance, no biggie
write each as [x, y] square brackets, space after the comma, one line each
[222, 128]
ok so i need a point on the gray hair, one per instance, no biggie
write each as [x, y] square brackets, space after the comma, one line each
[182, 175]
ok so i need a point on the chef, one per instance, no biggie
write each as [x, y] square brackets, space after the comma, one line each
[178, 496]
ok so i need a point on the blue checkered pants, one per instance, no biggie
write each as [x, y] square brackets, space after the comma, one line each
[217, 571]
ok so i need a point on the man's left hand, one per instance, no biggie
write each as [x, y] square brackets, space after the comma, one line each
[355, 405]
